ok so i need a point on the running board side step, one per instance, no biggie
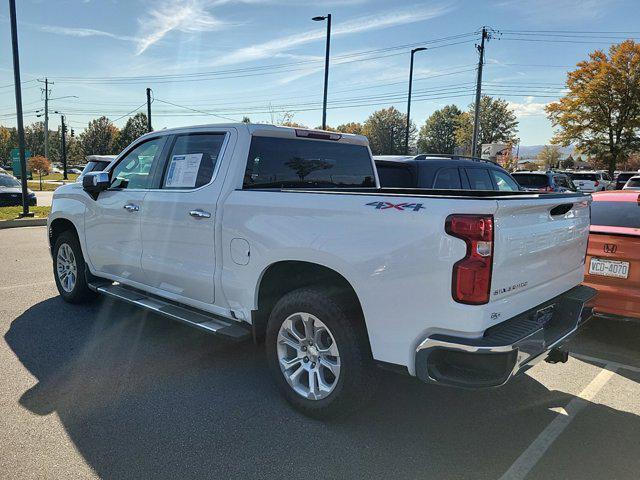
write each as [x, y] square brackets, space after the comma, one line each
[204, 321]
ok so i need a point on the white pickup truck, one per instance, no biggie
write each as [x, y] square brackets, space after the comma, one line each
[284, 235]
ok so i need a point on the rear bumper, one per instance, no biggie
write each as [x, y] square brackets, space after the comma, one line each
[505, 349]
[615, 300]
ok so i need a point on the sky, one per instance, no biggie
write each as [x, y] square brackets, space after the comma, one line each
[213, 61]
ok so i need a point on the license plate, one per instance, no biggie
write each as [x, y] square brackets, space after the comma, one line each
[609, 268]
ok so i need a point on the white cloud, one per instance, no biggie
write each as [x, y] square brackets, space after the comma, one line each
[187, 16]
[83, 32]
[370, 22]
[529, 108]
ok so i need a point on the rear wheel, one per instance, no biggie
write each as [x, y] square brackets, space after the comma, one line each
[319, 355]
[69, 269]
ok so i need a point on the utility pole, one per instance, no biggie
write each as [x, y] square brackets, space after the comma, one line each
[18, 88]
[149, 129]
[46, 116]
[64, 148]
[476, 113]
[326, 67]
[406, 134]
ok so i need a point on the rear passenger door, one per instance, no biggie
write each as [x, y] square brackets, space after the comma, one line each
[178, 221]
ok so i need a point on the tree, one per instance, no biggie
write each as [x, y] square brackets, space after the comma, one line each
[304, 167]
[8, 141]
[386, 131]
[246, 119]
[351, 127]
[438, 134]
[568, 162]
[601, 111]
[75, 154]
[100, 137]
[292, 124]
[135, 127]
[498, 124]
[549, 156]
[328, 128]
[39, 165]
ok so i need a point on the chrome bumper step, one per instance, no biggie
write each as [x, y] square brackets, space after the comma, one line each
[204, 321]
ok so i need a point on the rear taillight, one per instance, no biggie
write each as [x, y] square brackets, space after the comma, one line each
[596, 183]
[471, 281]
[546, 189]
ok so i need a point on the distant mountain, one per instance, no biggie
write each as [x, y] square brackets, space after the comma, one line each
[531, 151]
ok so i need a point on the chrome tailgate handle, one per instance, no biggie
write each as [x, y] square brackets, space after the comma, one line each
[131, 207]
[199, 213]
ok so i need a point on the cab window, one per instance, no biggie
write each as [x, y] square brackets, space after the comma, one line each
[134, 170]
[193, 160]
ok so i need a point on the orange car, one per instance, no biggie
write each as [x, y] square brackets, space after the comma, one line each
[613, 254]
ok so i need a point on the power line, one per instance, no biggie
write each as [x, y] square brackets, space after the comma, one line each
[195, 110]
[132, 111]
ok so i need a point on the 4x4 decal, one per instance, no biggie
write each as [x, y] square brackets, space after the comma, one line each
[416, 207]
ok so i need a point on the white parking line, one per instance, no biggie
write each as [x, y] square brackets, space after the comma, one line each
[525, 462]
[620, 366]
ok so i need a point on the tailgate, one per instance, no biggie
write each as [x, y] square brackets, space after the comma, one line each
[539, 242]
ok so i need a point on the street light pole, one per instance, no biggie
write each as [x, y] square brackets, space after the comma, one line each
[17, 85]
[326, 67]
[406, 133]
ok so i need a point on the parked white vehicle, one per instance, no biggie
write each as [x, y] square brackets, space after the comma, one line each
[633, 183]
[283, 234]
[591, 181]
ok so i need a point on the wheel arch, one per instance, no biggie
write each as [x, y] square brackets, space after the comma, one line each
[59, 225]
[282, 277]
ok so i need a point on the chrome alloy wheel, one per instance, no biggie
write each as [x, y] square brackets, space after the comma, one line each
[66, 267]
[308, 356]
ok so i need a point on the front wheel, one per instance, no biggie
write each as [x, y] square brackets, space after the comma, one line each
[319, 355]
[69, 269]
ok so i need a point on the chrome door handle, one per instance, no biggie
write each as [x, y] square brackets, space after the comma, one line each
[199, 213]
[131, 207]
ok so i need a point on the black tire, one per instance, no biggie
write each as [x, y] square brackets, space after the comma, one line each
[80, 291]
[356, 381]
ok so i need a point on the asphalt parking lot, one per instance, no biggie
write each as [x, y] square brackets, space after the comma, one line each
[104, 390]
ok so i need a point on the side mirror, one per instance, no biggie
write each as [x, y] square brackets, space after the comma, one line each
[95, 182]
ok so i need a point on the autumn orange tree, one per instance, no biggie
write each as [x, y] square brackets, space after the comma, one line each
[40, 165]
[600, 113]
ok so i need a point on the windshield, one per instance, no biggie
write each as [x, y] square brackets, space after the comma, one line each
[7, 182]
[531, 180]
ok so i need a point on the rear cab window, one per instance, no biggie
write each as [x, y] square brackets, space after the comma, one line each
[615, 214]
[276, 162]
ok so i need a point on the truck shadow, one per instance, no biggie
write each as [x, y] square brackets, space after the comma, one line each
[144, 397]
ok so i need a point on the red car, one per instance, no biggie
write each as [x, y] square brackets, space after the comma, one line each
[613, 254]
